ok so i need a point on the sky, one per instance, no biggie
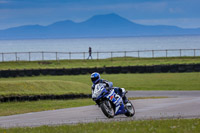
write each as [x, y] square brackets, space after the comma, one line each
[181, 13]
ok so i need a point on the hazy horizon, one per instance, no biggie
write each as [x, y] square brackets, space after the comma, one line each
[184, 13]
[134, 21]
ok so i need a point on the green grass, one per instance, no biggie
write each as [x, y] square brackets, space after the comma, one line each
[11, 108]
[42, 87]
[82, 83]
[147, 126]
[97, 63]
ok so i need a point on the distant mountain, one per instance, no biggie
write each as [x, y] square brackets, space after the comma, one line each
[110, 25]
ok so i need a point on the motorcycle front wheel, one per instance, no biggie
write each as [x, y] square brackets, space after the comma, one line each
[107, 109]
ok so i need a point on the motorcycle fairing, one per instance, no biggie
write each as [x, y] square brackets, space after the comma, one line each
[118, 102]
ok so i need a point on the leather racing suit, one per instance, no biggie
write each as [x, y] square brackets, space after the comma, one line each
[109, 86]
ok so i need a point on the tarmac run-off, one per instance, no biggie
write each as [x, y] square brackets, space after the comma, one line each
[180, 104]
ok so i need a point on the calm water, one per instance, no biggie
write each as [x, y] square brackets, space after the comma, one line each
[99, 44]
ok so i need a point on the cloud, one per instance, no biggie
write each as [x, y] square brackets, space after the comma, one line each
[180, 22]
[3, 1]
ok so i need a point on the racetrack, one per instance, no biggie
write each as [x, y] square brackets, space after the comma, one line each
[181, 104]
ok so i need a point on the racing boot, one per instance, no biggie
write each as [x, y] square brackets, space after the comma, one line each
[125, 99]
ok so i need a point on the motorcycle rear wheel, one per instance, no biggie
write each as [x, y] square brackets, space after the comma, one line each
[107, 109]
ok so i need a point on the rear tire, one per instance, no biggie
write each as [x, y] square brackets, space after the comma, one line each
[107, 109]
[130, 109]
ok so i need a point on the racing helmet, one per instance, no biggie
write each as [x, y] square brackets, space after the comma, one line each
[95, 77]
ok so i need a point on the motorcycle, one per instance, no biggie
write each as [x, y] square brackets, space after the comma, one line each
[111, 103]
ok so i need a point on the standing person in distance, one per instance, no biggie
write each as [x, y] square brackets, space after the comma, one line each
[90, 53]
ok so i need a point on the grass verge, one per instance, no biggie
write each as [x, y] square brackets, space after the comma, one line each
[82, 83]
[147, 126]
[11, 108]
[128, 61]
[42, 87]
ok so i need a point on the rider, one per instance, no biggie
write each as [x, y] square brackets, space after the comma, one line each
[95, 77]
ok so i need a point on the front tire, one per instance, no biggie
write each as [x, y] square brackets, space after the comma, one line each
[130, 109]
[107, 109]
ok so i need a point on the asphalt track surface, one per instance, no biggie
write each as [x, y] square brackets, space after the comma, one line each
[180, 104]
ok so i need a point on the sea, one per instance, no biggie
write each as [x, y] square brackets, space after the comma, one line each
[101, 47]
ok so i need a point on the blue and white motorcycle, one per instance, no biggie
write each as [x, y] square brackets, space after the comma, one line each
[111, 103]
